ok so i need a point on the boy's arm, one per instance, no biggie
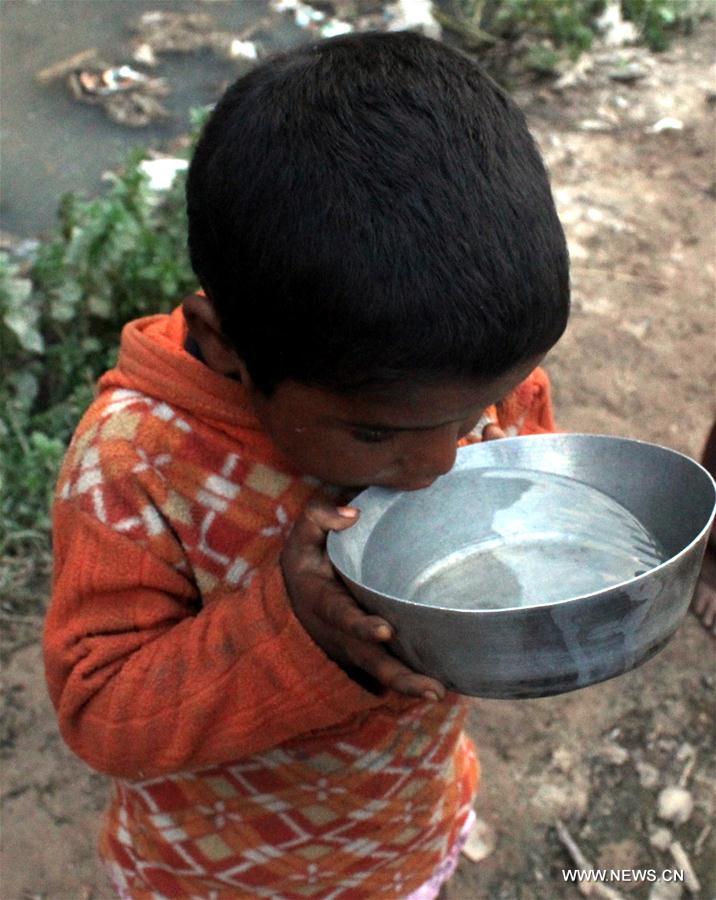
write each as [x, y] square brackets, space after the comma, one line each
[144, 684]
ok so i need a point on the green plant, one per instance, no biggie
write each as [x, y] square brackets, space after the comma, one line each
[111, 259]
[568, 24]
[553, 30]
[657, 20]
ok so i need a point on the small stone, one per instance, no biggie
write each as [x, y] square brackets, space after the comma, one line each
[562, 801]
[648, 775]
[675, 805]
[480, 842]
[666, 890]
[661, 839]
[668, 123]
[615, 754]
[594, 125]
[144, 54]
[627, 73]
[638, 329]
[563, 759]
[685, 752]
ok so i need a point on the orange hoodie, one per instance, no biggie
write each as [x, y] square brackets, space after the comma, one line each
[174, 659]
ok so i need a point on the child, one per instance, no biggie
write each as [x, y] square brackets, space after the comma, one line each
[381, 261]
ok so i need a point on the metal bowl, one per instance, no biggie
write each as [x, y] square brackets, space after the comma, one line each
[537, 565]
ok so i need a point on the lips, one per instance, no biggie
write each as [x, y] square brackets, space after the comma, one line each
[411, 486]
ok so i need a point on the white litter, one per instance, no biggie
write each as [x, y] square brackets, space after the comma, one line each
[414, 15]
[675, 805]
[480, 842]
[244, 49]
[162, 172]
[668, 123]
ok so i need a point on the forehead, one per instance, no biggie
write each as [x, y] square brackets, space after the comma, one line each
[407, 404]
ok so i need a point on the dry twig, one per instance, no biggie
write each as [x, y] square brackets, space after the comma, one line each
[588, 888]
[701, 839]
[684, 863]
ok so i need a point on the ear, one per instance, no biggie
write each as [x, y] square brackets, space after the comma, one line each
[205, 328]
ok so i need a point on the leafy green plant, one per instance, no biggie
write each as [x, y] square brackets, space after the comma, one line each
[567, 23]
[555, 30]
[658, 20]
[111, 259]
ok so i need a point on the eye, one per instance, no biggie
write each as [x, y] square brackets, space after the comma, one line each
[371, 435]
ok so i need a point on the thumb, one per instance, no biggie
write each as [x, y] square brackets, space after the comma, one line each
[491, 432]
[320, 517]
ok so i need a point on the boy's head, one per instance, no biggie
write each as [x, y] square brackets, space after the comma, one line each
[370, 212]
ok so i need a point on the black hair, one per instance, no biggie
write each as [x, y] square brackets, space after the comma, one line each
[372, 208]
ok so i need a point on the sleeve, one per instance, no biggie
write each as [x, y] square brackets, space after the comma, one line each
[144, 684]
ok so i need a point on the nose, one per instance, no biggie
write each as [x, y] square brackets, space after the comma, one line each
[430, 455]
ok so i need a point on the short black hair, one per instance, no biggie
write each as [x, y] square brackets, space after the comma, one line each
[372, 208]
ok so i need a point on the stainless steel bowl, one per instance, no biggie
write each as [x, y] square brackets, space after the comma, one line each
[537, 565]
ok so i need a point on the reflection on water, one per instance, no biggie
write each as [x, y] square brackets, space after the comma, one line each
[52, 144]
[553, 539]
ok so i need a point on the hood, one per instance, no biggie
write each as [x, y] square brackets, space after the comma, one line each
[153, 361]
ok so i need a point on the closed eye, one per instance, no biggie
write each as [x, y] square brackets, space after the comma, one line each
[371, 435]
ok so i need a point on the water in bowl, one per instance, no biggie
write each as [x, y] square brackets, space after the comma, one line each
[559, 539]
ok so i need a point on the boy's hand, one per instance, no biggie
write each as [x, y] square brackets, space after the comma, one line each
[328, 612]
[492, 432]
[703, 605]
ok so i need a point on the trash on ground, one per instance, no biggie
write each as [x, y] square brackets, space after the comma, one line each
[661, 839]
[480, 842]
[162, 172]
[616, 32]
[144, 55]
[668, 123]
[414, 15]
[587, 888]
[682, 861]
[675, 805]
[103, 82]
[127, 96]
[65, 66]
[159, 32]
[311, 18]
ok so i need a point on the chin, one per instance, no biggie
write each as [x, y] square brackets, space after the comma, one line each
[407, 485]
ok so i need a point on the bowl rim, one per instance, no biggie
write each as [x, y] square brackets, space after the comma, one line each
[334, 536]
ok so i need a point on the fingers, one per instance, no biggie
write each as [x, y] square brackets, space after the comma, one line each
[491, 432]
[337, 609]
[319, 518]
[390, 672]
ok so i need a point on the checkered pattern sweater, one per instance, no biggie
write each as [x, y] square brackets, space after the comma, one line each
[246, 762]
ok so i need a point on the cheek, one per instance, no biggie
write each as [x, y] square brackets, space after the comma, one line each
[336, 458]
[358, 461]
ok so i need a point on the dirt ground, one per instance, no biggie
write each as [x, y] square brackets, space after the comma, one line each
[637, 360]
